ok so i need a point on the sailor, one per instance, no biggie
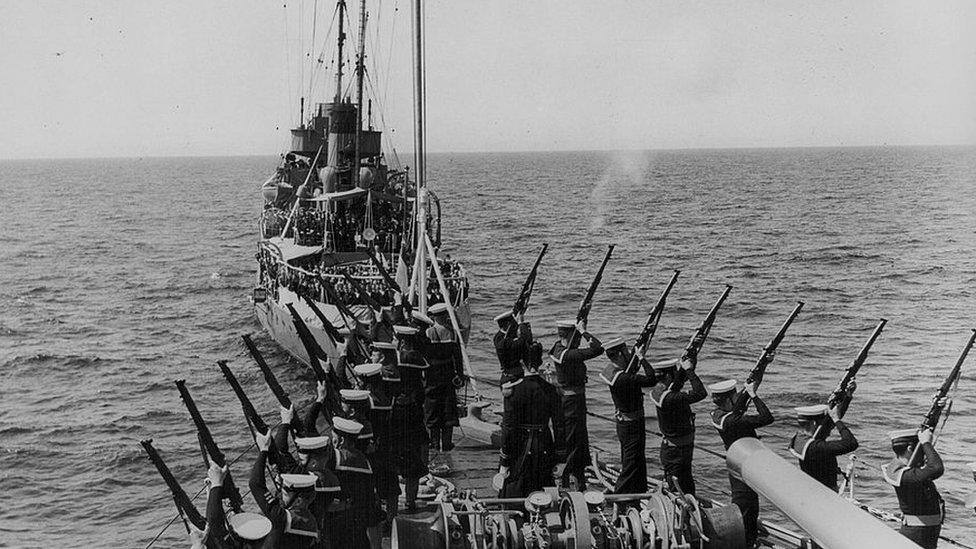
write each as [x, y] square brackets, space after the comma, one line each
[533, 442]
[356, 406]
[733, 423]
[408, 436]
[443, 354]
[921, 504]
[675, 418]
[293, 526]
[381, 403]
[626, 390]
[817, 455]
[571, 382]
[511, 344]
[356, 478]
[244, 530]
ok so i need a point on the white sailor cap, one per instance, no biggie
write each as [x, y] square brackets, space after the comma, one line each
[404, 330]
[504, 316]
[421, 317]
[722, 387]
[308, 444]
[565, 324]
[354, 395]
[437, 308]
[903, 435]
[383, 345]
[665, 364]
[298, 482]
[249, 526]
[366, 370]
[810, 412]
[615, 342]
[346, 426]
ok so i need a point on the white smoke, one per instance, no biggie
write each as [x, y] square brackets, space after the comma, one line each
[624, 176]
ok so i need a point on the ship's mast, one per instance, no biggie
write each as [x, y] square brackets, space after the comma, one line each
[360, 69]
[418, 154]
[342, 38]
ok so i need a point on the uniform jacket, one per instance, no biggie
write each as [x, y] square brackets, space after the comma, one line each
[532, 421]
[818, 457]
[571, 363]
[674, 413]
[511, 348]
[290, 528]
[626, 389]
[732, 426]
[915, 486]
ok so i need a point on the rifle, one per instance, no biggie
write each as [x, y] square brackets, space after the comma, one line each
[697, 341]
[308, 341]
[522, 301]
[931, 420]
[362, 293]
[269, 376]
[759, 370]
[842, 395]
[252, 416]
[344, 313]
[183, 504]
[587, 303]
[650, 326]
[327, 325]
[389, 279]
[210, 445]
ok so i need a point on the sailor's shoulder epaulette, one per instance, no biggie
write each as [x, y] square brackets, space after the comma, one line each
[611, 374]
[718, 418]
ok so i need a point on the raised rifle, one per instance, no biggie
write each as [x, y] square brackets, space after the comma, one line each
[183, 503]
[269, 376]
[842, 395]
[348, 319]
[327, 325]
[209, 445]
[932, 417]
[252, 416]
[362, 293]
[522, 302]
[769, 351]
[308, 341]
[697, 341]
[650, 326]
[584, 309]
[389, 279]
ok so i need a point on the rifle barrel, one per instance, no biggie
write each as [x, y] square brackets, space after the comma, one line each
[269, 376]
[697, 340]
[587, 303]
[650, 325]
[522, 301]
[308, 341]
[183, 503]
[250, 413]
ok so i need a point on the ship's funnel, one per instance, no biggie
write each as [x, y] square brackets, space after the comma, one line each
[832, 521]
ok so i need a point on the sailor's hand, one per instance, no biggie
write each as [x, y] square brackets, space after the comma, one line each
[520, 318]
[751, 389]
[397, 297]
[263, 441]
[503, 470]
[216, 475]
[557, 471]
[197, 537]
[688, 363]
[851, 387]
[287, 414]
[941, 402]
[321, 391]
[581, 326]
[833, 413]
[925, 435]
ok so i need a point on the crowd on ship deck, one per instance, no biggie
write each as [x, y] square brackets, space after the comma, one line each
[389, 404]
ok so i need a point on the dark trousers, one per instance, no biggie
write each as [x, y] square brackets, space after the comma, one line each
[926, 536]
[633, 464]
[676, 462]
[577, 437]
[748, 503]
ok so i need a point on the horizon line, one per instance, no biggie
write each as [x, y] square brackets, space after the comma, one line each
[409, 154]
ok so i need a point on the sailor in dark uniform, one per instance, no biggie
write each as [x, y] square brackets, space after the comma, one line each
[817, 455]
[921, 504]
[626, 390]
[533, 442]
[676, 420]
[732, 426]
[381, 403]
[443, 354]
[511, 343]
[571, 382]
[356, 478]
[409, 441]
[223, 531]
[293, 525]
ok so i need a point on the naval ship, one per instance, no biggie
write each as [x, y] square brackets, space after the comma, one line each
[347, 234]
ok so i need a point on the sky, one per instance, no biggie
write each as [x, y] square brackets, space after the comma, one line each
[223, 77]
